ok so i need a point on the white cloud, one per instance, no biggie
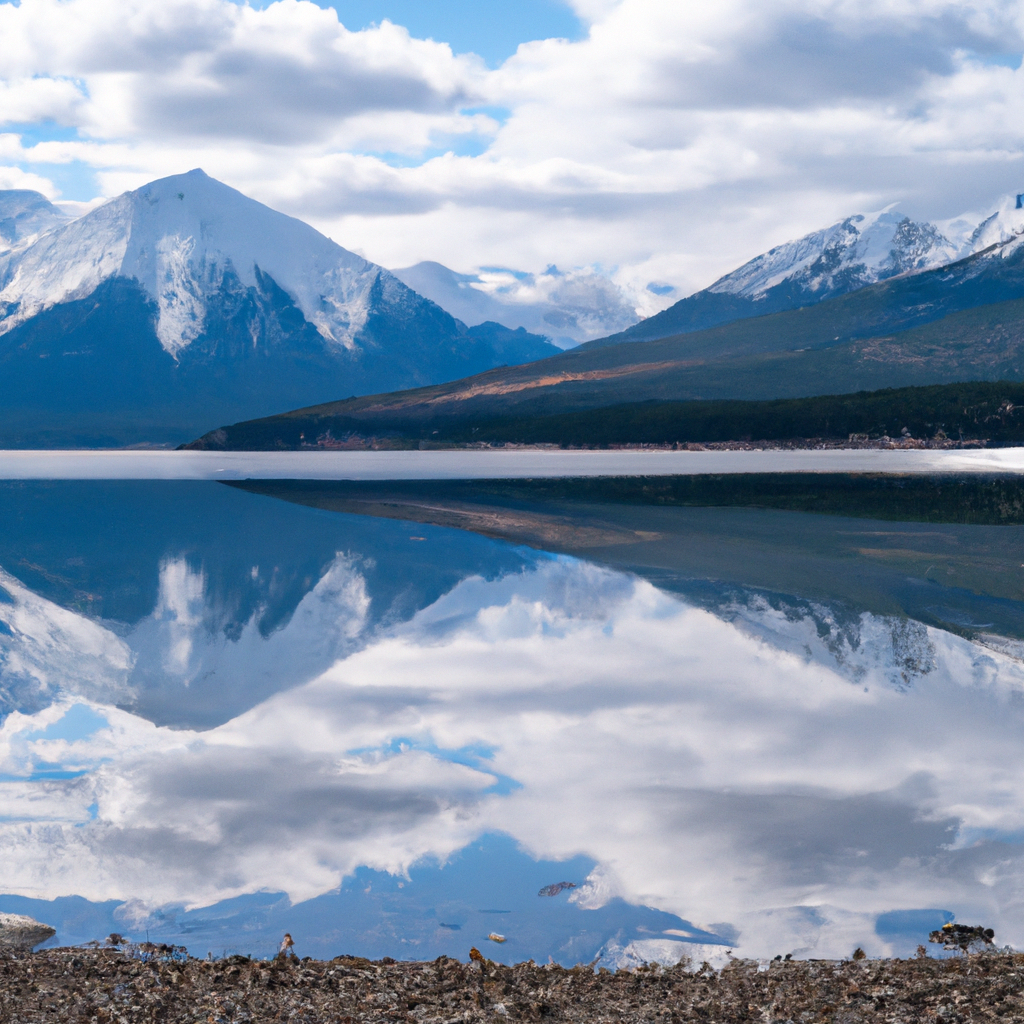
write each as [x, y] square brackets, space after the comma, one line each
[15, 177]
[677, 139]
[787, 771]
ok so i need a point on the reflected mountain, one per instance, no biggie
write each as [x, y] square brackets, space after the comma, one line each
[203, 601]
[964, 577]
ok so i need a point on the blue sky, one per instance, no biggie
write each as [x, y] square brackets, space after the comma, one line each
[492, 30]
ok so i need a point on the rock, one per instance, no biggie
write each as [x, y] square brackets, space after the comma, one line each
[554, 890]
[23, 933]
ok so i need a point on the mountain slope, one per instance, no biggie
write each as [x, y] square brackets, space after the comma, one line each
[979, 410]
[835, 347]
[862, 250]
[185, 303]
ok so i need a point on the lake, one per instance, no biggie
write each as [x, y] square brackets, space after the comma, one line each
[229, 714]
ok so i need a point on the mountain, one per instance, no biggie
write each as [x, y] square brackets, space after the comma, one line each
[185, 303]
[24, 216]
[851, 254]
[960, 322]
[568, 307]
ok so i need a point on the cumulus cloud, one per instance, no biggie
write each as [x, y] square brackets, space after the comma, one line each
[789, 771]
[669, 145]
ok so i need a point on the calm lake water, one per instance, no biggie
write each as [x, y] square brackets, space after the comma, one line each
[227, 716]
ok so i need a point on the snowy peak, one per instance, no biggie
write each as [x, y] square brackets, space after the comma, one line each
[857, 251]
[973, 234]
[568, 306]
[870, 247]
[183, 239]
[24, 216]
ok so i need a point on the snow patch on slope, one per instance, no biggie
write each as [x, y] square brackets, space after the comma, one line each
[178, 237]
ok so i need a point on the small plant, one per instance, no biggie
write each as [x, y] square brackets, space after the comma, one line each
[965, 937]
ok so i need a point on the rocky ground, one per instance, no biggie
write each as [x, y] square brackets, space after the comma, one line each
[161, 984]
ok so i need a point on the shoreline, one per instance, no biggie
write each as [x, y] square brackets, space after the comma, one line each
[493, 464]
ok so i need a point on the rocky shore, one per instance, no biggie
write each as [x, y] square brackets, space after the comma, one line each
[154, 983]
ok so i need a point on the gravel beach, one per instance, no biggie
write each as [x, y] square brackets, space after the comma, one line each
[139, 984]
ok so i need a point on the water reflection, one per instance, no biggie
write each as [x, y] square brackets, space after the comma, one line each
[196, 602]
[242, 698]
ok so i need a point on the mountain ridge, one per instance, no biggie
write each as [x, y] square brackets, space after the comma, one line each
[861, 250]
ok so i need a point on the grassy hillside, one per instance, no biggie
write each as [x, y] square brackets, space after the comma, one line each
[986, 343]
[980, 410]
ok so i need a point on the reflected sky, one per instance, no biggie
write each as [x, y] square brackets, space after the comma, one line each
[226, 716]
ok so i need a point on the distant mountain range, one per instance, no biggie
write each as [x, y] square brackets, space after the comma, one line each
[185, 300]
[568, 308]
[860, 250]
[185, 304]
[961, 321]
[851, 254]
[24, 216]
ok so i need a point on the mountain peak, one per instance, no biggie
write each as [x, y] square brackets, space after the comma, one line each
[24, 216]
[181, 238]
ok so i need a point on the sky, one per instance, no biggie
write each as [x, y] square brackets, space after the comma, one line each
[662, 142]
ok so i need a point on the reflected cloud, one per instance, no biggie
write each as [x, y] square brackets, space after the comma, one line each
[781, 774]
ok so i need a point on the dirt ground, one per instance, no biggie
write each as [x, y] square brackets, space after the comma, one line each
[154, 984]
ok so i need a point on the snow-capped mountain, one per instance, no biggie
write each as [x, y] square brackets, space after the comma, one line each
[861, 250]
[185, 301]
[973, 233]
[24, 216]
[569, 307]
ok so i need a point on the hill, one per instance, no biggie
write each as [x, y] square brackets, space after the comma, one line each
[992, 412]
